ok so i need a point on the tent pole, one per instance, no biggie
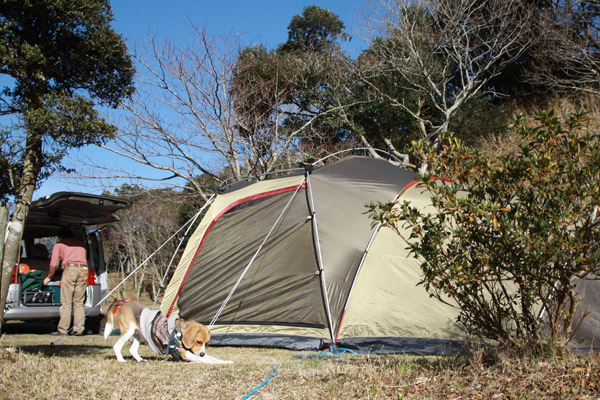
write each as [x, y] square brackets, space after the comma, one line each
[360, 265]
[319, 255]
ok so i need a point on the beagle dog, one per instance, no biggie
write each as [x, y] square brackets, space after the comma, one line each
[182, 340]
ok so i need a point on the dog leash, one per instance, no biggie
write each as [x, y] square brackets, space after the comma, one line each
[325, 355]
[322, 355]
[262, 384]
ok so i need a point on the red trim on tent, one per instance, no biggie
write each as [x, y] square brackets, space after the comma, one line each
[339, 327]
[411, 184]
[416, 182]
[214, 221]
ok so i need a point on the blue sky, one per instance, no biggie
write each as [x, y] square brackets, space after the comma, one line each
[261, 21]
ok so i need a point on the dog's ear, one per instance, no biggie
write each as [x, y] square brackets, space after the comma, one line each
[194, 334]
[188, 337]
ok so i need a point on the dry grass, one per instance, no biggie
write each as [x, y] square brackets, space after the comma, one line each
[500, 144]
[85, 368]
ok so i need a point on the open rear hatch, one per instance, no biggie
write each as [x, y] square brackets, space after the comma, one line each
[75, 208]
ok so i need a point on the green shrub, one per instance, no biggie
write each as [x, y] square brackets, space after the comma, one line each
[511, 234]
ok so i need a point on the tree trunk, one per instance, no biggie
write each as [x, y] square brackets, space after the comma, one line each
[4, 276]
[12, 244]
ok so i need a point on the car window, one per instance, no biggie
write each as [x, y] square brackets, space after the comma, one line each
[35, 254]
[39, 246]
[42, 247]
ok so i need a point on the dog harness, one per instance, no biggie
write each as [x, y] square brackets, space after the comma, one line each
[117, 308]
[163, 335]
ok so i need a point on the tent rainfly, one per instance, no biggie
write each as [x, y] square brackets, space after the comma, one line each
[294, 262]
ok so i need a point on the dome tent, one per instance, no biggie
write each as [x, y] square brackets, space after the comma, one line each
[295, 262]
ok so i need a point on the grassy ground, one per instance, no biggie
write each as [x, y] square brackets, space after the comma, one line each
[85, 368]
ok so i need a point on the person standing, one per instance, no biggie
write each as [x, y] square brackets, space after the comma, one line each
[71, 253]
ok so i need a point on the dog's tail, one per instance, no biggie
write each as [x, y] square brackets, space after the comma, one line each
[110, 313]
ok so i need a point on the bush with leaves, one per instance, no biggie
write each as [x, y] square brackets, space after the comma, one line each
[511, 234]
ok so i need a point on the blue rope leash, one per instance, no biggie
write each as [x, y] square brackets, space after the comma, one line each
[262, 384]
[323, 355]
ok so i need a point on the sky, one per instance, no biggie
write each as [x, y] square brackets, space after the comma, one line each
[261, 21]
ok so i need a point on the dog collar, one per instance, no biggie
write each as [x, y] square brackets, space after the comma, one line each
[175, 342]
[175, 339]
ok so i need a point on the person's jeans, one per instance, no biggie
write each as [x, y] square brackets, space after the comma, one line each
[72, 295]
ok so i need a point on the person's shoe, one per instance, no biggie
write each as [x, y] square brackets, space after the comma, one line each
[55, 333]
[77, 334]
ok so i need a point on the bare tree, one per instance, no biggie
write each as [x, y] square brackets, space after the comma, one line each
[185, 120]
[443, 53]
[144, 228]
[181, 123]
[566, 57]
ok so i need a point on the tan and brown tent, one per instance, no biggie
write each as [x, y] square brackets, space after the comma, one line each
[295, 262]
